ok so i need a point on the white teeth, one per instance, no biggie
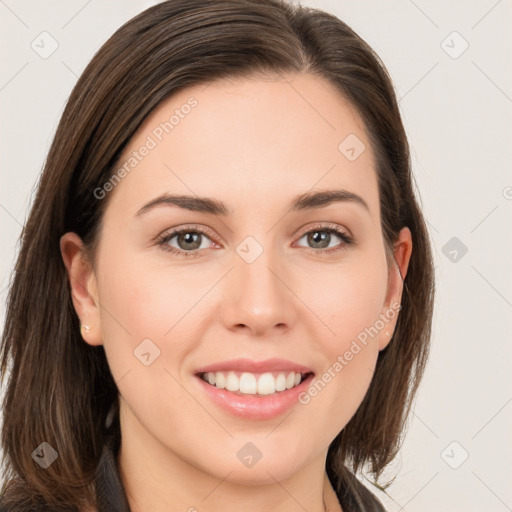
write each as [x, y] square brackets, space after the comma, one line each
[248, 384]
[232, 382]
[266, 384]
[281, 382]
[290, 380]
[220, 380]
[251, 384]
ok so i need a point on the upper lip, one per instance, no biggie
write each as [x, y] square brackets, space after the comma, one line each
[251, 366]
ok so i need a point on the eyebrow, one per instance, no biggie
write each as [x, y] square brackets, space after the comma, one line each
[307, 201]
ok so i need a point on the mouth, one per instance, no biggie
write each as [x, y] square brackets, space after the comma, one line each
[253, 396]
[257, 384]
[254, 390]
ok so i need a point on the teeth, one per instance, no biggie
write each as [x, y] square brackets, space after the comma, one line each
[281, 382]
[248, 384]
[252, 384]
[220, 380]
[266, 384]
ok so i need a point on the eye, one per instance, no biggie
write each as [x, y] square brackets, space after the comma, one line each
[189, 241]
[321, 238]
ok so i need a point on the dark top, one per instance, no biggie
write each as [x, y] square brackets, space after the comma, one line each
[355, 497]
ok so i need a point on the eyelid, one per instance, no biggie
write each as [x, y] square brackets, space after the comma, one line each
[326, 226]
[185, 227]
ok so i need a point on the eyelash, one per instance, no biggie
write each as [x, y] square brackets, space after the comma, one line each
[331, 228]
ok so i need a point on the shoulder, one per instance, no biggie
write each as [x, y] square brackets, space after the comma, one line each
[31, 508]
[356, 497]
[21, 508]
[109, 490]
[18, 499]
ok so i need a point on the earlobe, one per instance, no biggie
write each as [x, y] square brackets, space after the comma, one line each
[83, 286]
[396, 276]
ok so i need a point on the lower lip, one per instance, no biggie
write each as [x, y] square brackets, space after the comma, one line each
[255, 407]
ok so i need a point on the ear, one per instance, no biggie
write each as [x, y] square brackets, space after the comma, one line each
[401, 256]
[84, 291]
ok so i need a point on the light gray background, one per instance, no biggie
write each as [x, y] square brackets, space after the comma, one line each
[457, 114]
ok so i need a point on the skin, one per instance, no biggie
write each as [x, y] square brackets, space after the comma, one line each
[254, 144]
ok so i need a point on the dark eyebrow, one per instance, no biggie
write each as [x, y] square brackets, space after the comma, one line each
[324, 198]
[307, 201]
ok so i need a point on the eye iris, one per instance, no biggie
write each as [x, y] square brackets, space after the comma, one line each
[324, 236]
[189, 238]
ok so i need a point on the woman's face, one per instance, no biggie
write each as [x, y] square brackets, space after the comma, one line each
[264, 278]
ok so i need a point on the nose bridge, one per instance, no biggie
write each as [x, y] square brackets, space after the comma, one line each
[257, 296]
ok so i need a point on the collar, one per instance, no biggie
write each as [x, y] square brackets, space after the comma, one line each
[109, 488]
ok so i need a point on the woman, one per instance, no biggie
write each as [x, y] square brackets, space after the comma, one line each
[278, 354]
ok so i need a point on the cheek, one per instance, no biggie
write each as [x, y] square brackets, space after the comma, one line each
[347, 299]
[142, 321]
[349, 305]
[148, 301]
[145, 298]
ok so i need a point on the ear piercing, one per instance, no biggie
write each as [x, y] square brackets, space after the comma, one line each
[85, 328]
[387, 333]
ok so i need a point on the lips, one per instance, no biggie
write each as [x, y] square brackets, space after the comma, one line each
[268, 403]
[251, 366]
[254, 407]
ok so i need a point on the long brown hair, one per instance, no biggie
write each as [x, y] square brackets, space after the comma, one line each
[60, 388]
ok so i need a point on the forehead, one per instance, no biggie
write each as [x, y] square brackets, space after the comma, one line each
[265, 137]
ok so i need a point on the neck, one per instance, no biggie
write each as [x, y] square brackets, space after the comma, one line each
[157, 479]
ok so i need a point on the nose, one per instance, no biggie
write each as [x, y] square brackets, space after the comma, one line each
[259, 297]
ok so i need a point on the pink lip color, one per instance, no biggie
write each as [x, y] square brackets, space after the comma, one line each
[248, 365]
[255, 407]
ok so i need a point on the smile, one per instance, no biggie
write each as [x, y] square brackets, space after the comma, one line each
[256, 384]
